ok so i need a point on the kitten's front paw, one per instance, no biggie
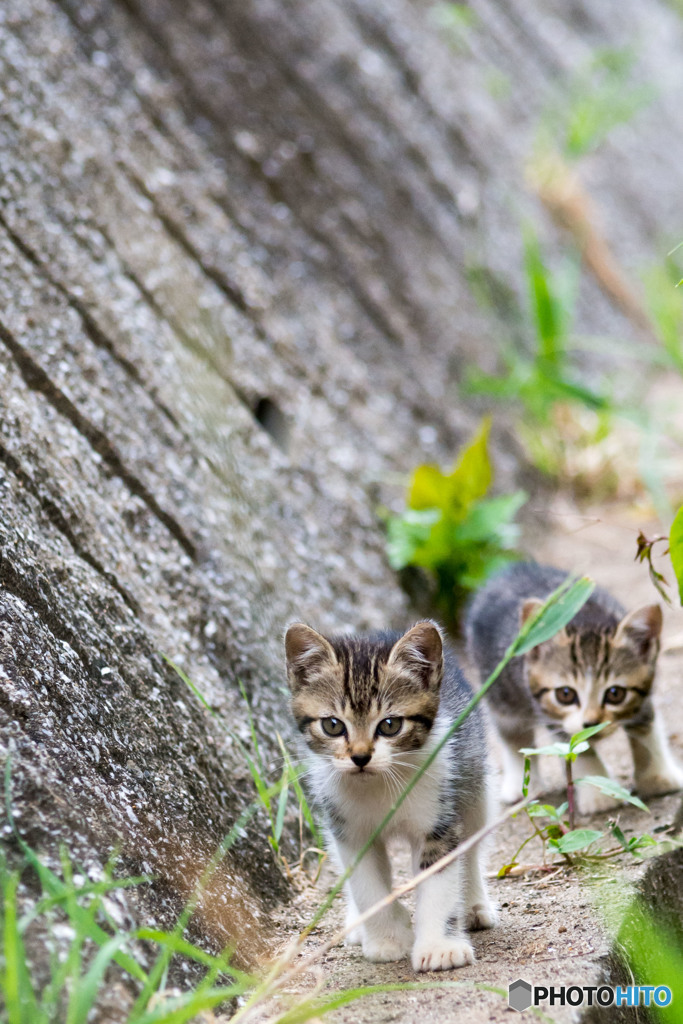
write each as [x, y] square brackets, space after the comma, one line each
[480, 915]
[590, 800]
[355, 937]
[385, 948]
[511, 788]
[442, 955]
[669, 781]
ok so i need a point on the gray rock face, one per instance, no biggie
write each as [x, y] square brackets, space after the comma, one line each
[234, 252]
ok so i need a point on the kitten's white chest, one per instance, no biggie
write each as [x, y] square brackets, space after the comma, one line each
[363, 802]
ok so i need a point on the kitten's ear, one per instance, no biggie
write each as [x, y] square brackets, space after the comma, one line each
[307, 651]
[529, 608]
[640, 630]
[419, 653]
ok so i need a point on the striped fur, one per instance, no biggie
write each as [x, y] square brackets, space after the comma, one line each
[359, 684]
[599, 669]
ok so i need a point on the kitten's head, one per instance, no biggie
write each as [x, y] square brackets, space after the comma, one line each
[592, 674]
[364, 702]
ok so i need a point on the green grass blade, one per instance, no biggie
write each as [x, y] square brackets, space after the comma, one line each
[281, 806]
[316, 1006]
[654, 956]
[186, 679]
[20, 999]
[301, 796]
[177, 944]
[185, 1007]
[87, 988]
[56, 888]
[153, 980]
[252, 729]
[559, 609]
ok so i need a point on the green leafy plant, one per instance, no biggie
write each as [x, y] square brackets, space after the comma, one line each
[451, 529]
[544, 377]
[556, 826]
[540, 377]
[599, 96]
[674, 540]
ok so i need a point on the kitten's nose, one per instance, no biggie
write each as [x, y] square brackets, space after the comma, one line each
[360, 759]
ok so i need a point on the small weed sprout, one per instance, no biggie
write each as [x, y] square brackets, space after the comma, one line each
[555, 826]
[542, 380]
[288, 783]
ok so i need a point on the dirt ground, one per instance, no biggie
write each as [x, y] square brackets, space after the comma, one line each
[551, 928]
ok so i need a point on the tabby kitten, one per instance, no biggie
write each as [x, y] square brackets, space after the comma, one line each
[600, 668]
[370, 710]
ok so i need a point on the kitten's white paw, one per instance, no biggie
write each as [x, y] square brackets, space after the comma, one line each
[511, 789]
[480, 915]
[442, 955]
[590, 800]
[669, 781]
[355, 937]
[385, 948]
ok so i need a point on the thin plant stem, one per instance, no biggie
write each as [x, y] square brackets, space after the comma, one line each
[571, 792]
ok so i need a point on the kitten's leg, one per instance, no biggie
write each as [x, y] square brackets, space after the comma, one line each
[479, 910]
[355, 936]
[513, 762]
[589, 799]
[656, 772]
[387, 935]
[439, 900]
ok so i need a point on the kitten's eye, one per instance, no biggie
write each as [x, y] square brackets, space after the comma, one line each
[614, 695]
[566, 695]
[333, 726]
[389, 726]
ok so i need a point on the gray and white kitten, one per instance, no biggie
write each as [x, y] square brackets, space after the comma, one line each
[600, 668]
[370, 710]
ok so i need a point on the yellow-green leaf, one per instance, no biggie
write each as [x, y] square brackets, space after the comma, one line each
[472, 473]
[428, 488]
[676, 549]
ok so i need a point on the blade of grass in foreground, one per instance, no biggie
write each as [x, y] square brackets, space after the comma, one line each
[157, 972]
[59, 891]
[556, 612]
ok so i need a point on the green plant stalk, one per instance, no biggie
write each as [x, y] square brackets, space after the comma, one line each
[571, 793]
[516, 647]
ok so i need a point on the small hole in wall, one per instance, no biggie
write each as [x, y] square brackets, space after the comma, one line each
[273, 421]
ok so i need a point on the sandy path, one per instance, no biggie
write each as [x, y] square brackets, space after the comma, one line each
[550, 931]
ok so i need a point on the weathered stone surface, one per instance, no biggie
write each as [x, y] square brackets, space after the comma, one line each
[234, 252]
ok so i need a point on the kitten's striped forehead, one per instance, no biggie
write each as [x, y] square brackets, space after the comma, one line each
[590, 651]
[361, 660]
